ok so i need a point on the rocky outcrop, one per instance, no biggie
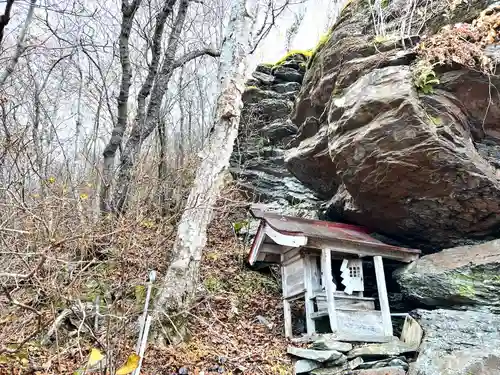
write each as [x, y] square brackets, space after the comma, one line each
[419, 167]
[464, 276]
[369, 359]
[257, 162]
[458, 343]
[393, 348]
[409, 163]
[383, 144]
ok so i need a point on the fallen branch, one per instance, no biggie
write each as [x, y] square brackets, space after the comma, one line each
[26, 307]
[65, 314]
[28, 275]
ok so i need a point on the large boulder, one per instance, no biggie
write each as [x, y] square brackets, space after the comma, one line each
[409, 163]
[288, 74]
[458, 343]
[310, 162]
[267, 110]
[353, 38]
[419, 168]
[462, 276]
[287, 87]
[279, 132]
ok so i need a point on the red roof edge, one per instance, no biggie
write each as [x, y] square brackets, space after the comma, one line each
[261, 214]
[252, 249]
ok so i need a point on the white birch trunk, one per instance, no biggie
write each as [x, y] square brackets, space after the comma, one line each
[21, 47]
[180, 281]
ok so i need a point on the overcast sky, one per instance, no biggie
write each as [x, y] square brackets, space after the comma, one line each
[319, 15]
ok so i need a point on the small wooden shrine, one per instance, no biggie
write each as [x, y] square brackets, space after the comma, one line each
[307, 250]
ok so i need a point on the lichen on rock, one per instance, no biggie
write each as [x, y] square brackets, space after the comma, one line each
[467, 276]
[458, 343]
[398, 149]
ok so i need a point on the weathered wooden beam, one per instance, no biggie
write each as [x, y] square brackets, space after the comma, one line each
[294, 276]
[326, 265]
[272, 249]
[287, 255]
[341, 303]
[361, 249]
[382, 295]
[353, 337]
[287, 311]
[306, 339]
[310, 281]
[412, 332]
[342, 295]
[295, 295]
[257, 243]
[285, 239]
[293, 259]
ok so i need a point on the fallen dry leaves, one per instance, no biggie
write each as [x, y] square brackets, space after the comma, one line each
[225, 334]
[464, 43]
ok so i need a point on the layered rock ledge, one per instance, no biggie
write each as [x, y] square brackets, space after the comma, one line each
[415, 159]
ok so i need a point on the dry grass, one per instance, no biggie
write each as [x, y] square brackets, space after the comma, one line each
[463, 44]
[56, 255]
[225, 332]
[81, 260]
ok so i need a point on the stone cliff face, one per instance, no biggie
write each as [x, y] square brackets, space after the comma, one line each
[257, 162]
[398, 131]
[359, 132]
[420, 166]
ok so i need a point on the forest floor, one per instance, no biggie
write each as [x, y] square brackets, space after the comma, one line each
[234, 327]
[228, 332]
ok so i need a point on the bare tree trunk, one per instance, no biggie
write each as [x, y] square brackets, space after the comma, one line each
[181, 151]
[155, 60]
[180, 281]
[20, 44]
[141, 130]
[128, 14]
[36, 130]
[73, 172]
[37, 138]
[203, 120]
[190, 128]
[5, 18]
[162, 168]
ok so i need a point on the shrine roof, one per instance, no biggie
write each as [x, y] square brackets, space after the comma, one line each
[301, 232]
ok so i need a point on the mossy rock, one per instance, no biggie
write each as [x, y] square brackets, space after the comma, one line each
[265, 68]
[297, 55]
[323, 40]
[463, 276]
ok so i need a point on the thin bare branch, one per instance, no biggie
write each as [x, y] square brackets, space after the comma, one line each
[194, 55]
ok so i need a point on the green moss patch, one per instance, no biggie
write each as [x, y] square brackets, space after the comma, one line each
[306, 54]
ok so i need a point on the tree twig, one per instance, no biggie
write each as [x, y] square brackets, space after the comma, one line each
[195, 54]
[28, 275]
